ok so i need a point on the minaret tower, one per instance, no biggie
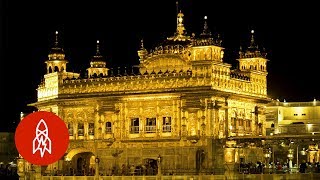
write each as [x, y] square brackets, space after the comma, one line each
[97, 65]
[254, 61]
[56, 73]
[56, 61]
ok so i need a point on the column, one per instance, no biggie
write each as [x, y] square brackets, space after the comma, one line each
[159, 165]
[75, 130]
[226, 125]
[21, 168]
[229, 159]
[37, 170]
[210, 118]
[97, 121]
[86, 130]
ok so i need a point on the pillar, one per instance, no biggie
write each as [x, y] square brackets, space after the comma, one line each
[159, 165]
[229, 159]
[21, 168]
[37, 172]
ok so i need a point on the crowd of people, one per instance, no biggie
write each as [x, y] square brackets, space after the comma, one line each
[8, 171]
[278, 168]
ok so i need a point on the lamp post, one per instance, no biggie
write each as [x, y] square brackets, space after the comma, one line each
[290, 157]
[267, 155]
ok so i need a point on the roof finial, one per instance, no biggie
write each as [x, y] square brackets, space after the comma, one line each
[98, 48]
[141, 43]
[252, 42]
[56, 43]
[205, 31]
[180, 26]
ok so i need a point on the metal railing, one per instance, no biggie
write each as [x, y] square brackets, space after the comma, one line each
[166, 128]
[299, 129]
[134, 129]
[108, 130]
[150, 129]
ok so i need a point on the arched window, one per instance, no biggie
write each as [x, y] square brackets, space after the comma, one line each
[101, 75]
[50, 69]
[166, 125]
[108, 127]
[91, 129]
[56, 69]
[70, 128]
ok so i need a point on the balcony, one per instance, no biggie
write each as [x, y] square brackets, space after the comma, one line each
[299, 129]
[150, 129]
[108, 130]
[134, 129]
[166, 128]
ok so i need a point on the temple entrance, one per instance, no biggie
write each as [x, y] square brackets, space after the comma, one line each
[84, 164]
[80, 164]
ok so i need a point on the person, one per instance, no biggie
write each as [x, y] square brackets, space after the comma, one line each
[303, 167]
[123, 169]
[55, 172]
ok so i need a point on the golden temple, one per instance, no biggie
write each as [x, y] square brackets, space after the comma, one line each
[184, 110]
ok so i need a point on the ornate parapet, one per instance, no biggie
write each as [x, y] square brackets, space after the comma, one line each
[133, 83]
[164, 81]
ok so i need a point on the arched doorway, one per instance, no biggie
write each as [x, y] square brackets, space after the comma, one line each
[83, 164]
[80, 162]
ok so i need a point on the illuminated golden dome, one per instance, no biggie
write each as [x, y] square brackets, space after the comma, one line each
[56, 52]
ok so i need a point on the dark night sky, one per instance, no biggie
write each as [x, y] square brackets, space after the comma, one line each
[287, 31]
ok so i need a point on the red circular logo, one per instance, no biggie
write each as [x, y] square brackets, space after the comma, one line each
[42, 138]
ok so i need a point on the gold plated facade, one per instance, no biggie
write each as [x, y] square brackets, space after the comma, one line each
[184, 99]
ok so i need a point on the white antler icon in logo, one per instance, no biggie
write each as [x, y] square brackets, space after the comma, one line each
[42, 141]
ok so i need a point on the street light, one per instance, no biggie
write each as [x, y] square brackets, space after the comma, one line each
[267, 155]
[290, 157]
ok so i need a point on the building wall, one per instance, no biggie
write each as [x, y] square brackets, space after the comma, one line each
[8, 151]
[300, 117]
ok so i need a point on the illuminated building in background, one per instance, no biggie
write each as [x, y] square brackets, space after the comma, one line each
[296, 126]
[295, 118]
[181, 104]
